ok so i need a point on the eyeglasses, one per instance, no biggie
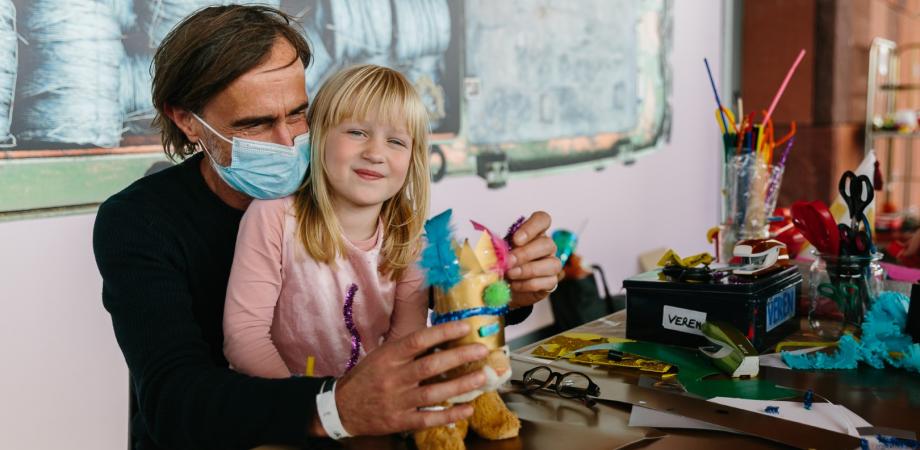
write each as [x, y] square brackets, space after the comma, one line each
[567, 385]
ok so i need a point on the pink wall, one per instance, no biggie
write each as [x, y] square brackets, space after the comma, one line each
[63, 383]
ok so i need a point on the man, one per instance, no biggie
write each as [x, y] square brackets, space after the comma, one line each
[164, 247]
[911, 253]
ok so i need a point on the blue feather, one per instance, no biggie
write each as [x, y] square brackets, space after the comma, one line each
[438, 258]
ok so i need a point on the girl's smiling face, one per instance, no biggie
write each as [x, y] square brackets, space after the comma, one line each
[367, 160]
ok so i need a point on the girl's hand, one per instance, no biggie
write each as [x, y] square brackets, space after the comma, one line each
[535, 270]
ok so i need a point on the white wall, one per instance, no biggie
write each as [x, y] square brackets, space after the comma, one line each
[666, 199]
[63, 383]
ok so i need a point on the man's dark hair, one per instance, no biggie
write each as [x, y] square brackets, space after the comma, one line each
[206, 52]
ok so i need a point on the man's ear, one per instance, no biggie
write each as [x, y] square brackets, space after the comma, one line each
[184, 119]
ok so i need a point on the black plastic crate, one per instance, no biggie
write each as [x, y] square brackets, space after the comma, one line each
[661, 310]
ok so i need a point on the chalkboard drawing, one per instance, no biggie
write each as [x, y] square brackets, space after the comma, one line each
[69, 92]
[161, 16]
[549, 84]
[512, 87]
[9, 62]
[414, 37]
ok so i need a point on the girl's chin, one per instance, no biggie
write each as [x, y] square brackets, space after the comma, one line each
[365, 201]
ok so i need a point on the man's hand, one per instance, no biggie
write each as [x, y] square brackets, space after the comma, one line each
[912, 250]
[382, 394]
[535, 270]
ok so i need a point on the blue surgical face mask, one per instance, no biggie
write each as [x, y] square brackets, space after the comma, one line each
[263, 170]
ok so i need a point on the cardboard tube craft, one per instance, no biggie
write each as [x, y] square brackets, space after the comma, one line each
[469, 285]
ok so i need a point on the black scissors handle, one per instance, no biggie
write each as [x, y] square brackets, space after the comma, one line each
[853, 188]
[852, 241]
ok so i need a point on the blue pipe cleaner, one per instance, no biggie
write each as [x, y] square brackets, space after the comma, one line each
[809, 399]
[771, 410]
[896, 442]
[882, 336]
[439, 259]
[846, 357]
[470, 312]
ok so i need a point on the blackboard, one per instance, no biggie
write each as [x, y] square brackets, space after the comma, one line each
[512, 86]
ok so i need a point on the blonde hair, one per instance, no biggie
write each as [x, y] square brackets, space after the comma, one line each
[354, 94]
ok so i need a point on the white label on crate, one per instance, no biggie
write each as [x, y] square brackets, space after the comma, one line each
[780, 308]
[683, 320]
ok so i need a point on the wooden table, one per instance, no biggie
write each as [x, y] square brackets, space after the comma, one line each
[884, 397]
[889, 398]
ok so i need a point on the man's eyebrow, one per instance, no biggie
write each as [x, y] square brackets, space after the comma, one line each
[300, 108]
[252, 121]
[245, 122]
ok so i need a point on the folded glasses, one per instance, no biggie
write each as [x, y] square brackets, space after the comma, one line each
[574, 385]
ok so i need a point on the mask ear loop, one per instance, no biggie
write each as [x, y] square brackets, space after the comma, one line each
[212, 130]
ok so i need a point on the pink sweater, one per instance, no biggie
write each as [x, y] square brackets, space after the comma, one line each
[283, 306]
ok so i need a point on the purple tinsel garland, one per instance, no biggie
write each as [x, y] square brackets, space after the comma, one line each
[350, 324]
[513, 229]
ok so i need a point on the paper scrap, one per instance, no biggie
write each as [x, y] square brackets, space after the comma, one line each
[823, 415]
[775, 360]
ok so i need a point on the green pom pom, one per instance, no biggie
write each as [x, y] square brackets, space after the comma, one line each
[497, 294]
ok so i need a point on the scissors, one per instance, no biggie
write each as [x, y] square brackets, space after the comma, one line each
[815, 221]
[853, 242]
[845, 295]
[853, 188]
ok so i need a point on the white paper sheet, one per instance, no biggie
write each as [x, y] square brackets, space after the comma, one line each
[647, 417]
[775, 360]
[822, 415]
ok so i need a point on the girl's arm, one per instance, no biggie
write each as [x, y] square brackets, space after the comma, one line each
[253, 290]
[410, 310]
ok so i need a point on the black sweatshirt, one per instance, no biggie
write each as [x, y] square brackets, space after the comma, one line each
[164, 247]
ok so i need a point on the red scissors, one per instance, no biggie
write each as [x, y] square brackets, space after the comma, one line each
[815, 221]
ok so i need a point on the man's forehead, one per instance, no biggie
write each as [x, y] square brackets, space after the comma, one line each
[278, 65]
[276, 84]
[282, 57]
[282, 64]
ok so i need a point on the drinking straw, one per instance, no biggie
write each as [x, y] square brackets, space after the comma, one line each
[782, 161]
[776, 178]
[744, 126]
[716, 93]
[740, 109]
[779, 94]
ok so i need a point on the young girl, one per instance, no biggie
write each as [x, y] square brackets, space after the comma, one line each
[322, 277]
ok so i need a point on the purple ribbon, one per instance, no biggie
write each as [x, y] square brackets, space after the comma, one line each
[347, 311]
[513, 229]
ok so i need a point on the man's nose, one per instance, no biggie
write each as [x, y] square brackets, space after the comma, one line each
[283, 134]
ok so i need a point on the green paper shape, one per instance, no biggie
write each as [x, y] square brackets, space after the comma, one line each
[694, 367]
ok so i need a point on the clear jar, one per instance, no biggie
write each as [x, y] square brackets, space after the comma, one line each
[841, 290]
